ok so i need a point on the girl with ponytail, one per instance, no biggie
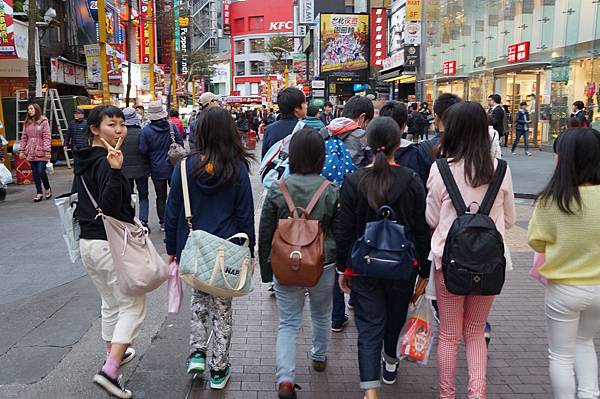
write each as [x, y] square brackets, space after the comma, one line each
[380, 305]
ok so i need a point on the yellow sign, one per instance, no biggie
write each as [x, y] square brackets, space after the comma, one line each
[414, 10]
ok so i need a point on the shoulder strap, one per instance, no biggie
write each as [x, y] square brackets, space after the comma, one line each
[493, 189]
[317, 196]
[186, 194]
[87, 190]
[428, 148]
[172, 132]
[286, 195]
[453, 191]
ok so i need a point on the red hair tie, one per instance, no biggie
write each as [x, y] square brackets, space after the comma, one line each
[382, 148]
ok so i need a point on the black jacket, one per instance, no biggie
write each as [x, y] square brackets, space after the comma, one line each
[497, 114]
[406, 197]
[135, 164]
[77, 136]
[108, 186]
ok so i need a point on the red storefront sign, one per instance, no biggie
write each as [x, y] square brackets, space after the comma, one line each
[7, 31]
[146, 30]
[449, 67]
[518, 52]
[378, 36]
[226, 17]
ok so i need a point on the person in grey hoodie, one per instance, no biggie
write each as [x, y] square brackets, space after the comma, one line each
[136, 166]
[350, 127]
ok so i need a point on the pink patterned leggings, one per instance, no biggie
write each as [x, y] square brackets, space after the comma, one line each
[461, 316]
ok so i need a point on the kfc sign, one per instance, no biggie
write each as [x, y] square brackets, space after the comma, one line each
[518, 52]
[287, 25]
[378, 36]
[449, 68]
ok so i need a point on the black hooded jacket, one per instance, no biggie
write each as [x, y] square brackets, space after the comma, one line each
[108, 186]
[406, 197]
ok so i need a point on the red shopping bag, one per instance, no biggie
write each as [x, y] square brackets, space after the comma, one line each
[174, 289]
[416, 337]
[23, 168]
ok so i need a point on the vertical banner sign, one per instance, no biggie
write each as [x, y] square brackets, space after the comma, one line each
[411, 59]
[226, 18]
[184, 44]
[7, 30]
[307, 11]
[378, 36]
[414, 10]
[146, 30]
[92, 59]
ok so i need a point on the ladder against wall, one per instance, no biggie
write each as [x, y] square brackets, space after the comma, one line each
[56, 115]
[22, 99]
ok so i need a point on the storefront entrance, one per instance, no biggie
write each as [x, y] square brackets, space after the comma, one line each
[524, 86]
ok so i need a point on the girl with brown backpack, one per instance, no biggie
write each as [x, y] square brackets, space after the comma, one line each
[296, 244]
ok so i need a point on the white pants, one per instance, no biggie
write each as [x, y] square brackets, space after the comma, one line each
[573, 320]
[122, 315]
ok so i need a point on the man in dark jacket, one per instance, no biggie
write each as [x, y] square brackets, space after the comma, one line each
[207, 100]
[579, 113]
[77, 136]
[292, 105]
[327, 114]
[136, 166]
[496, 113]
[415, 123]
[155, 140]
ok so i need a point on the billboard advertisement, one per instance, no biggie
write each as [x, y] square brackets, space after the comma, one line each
[7, 30]
[344, 42]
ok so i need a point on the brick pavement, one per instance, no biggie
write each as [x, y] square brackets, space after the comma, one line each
[517, 357]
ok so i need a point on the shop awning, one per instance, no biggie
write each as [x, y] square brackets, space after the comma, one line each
[402, 79]
[390, 73]
[520, 67]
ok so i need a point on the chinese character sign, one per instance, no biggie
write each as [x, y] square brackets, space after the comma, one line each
[226, 17]
[449, 68]
[344, 42]
[518, 52]
[146, 31]
[378, 36]
[7, 30]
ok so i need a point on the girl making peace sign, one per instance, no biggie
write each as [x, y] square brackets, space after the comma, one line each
[100, 167]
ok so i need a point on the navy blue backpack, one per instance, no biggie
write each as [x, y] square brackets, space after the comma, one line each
[384, 251]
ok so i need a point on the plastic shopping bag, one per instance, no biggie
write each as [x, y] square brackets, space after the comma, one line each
[49, 168]
[174, 289]
[5, 175]
[67, 211]
[538, 262]
[416, 337]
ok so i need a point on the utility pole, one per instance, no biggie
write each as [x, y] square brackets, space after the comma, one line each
[102, 45]
[32, 39]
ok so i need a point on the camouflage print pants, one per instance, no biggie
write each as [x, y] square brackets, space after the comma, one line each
[211, 313]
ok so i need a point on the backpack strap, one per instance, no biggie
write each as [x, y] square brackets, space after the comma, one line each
[493, 189]
[317, 196]
[427, 147]
[286, 195]
[186, 194]
[453, 191]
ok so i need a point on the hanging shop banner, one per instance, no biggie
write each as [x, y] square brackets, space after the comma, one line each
[299, 67]
[307, 11]
[344, 42]
[226, 17]
[114, 60]
[66, 73]
[145, 77]
[414, 10]
[184, 42]
[146, 31]
[412, 33]
[92, 59]
[378, 36]
[7, 30]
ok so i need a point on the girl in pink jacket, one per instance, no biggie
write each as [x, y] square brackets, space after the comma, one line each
[35, 146]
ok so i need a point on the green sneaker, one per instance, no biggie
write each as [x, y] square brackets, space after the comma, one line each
[196, 362]
[218, 379]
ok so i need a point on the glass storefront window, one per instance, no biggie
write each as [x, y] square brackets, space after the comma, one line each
[240, 69]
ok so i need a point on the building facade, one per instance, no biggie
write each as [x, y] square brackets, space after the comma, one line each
[545, 52]
[253, 24]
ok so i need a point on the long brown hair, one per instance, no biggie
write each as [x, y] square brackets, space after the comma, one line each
[466, 137]
[38, 114]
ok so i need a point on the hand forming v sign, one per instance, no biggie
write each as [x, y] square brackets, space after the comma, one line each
[115, 156]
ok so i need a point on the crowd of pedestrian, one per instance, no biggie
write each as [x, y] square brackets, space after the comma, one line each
[394, 214]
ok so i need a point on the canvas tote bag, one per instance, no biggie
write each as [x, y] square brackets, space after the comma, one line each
[212, 264]
[139, 267]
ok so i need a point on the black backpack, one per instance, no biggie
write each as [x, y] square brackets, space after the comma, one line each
[473, 262]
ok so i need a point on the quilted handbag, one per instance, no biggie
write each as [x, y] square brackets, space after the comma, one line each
[176, 152]
[212, 264]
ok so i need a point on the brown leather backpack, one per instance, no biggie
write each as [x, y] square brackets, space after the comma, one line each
[297, 246]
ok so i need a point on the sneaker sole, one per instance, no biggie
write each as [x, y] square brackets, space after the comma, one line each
[220, 385]
[195, 370]
[110, 388]
[340, 329]
[128, 358]
[386, 382]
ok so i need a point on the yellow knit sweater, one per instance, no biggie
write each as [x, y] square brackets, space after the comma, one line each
[571, 242]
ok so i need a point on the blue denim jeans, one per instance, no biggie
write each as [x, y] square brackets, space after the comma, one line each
[290, 301]
[525, 135]
[339, 304]
[380, 308]
[142, 189]
[38, 170]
